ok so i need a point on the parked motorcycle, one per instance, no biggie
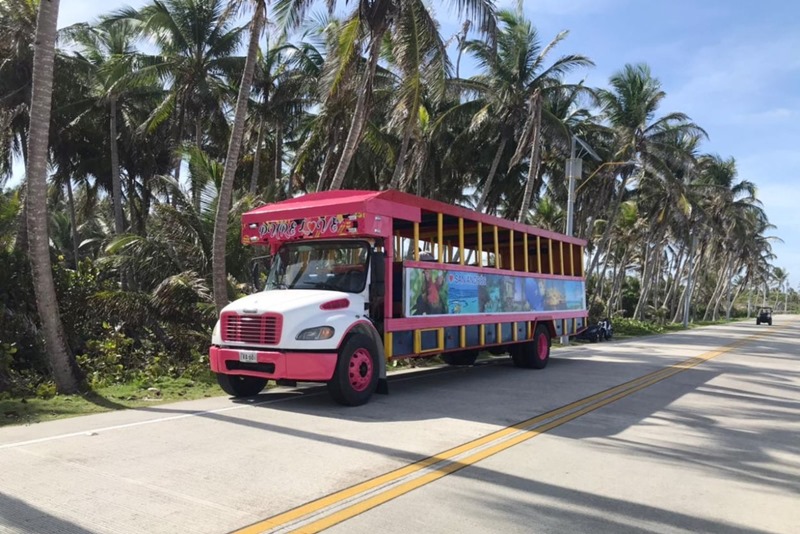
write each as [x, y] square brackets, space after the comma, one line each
[602, 331]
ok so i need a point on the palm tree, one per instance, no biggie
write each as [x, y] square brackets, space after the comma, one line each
[781, 278]
[282, 87]
[232, 160]
[107, 50]
[420, 57]
[630, 107]
[664, 198]
[196, 41]
[17, 29]
[377, 17]
[515, 80]
[62, 361]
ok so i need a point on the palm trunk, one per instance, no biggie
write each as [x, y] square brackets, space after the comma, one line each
[231, 162]
[277, 168]
[178, 142]
[326, 165]
[650, 259]
[600, 286]
[116, 185]
[671, 291]
[257, 159]
[710, 305]
[178, 157]
[612, 215]
[422, 165]
[614, 299]
[21, 241]
[399, 168]
[73, 220]
[360, 114]
[533, 168]
[492, 171]
[62, 361]
[197, 188]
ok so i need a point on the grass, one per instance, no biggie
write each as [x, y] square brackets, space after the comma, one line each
[15, 411]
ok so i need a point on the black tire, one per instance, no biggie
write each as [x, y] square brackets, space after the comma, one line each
[770, 322]
[461, 357]
[356, 375]
[758, 321]
[533, 354]
[241, 386]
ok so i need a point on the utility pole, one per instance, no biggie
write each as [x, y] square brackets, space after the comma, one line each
[574, 169]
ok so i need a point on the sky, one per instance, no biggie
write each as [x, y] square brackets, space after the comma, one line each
[732, 65]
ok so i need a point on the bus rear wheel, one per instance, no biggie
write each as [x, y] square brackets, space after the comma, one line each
[460, 357]
[241, 386]
[356, 375]
[533, 354]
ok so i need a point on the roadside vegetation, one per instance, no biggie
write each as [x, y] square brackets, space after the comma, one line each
[137, 216]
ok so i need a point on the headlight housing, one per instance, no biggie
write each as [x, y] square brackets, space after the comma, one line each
[215, 332]
[316, 334]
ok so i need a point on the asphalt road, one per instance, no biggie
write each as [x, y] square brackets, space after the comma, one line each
[689, 432]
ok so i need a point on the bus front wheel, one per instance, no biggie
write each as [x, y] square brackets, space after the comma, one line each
[356, 375]
[533, 354]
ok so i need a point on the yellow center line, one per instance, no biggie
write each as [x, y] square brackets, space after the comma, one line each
[516, 434]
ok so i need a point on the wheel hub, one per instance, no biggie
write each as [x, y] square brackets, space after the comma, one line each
[360, 370]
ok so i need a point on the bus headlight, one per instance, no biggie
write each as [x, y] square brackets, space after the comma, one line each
[316, 334]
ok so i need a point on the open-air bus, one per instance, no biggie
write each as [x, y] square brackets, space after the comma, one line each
[358, 279]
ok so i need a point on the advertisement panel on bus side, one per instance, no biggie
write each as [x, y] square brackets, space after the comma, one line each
[445, 292]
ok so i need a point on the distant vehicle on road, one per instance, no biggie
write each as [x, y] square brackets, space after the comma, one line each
[602, 331]
[764, 315]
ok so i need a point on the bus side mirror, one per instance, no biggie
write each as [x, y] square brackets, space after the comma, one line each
[378, 279]
[259, 268]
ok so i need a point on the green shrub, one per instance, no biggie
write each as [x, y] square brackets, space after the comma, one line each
[633, 327]
[46, 390]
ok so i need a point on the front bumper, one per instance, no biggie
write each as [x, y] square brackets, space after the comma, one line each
[300, 366]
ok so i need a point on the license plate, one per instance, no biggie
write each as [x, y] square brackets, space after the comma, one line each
[248, 356]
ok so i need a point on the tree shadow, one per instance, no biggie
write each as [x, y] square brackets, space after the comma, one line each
[103, 402]
[553, 508]
[18, 516]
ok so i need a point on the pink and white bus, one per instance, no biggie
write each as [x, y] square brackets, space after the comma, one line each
[358, 279]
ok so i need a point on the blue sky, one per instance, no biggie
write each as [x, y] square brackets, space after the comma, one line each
[732, 65]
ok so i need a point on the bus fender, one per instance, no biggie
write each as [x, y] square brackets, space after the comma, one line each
[550, 324]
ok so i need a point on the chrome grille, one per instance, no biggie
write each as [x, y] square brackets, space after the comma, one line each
[252, 329]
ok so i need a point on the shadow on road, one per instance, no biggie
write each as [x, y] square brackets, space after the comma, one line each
[20, 517]
[552, 507]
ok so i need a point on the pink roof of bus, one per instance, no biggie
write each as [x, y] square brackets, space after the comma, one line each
[389, 203]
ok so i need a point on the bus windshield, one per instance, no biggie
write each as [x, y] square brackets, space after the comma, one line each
[331, 265]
